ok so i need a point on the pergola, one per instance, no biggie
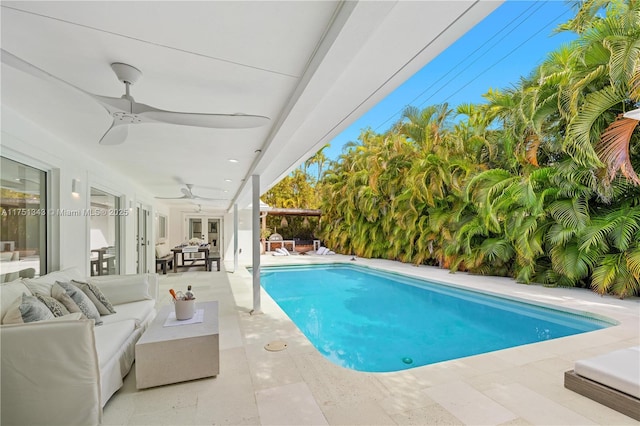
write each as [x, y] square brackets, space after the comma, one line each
[266, 210]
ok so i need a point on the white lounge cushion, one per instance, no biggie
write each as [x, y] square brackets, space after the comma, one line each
[138, 311]
[619, 370]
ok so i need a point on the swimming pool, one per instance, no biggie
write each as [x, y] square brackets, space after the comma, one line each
[375, 321]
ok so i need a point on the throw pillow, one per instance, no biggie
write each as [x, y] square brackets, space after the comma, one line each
[27, 309]
[82, 300]
[56, 308]
[99, 300]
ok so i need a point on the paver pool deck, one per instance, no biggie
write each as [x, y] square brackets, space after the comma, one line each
[298, 386]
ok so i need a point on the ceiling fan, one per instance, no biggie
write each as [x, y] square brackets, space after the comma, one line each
[187, 194]
[126, 111]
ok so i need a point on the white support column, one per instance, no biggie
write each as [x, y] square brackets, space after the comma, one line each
[255, 237]
[236, 249]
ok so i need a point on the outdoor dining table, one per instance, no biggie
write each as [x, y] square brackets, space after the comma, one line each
[190, 249]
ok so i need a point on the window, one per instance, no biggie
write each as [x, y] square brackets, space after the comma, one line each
[104, 224]
[162, 227]
[23, 229]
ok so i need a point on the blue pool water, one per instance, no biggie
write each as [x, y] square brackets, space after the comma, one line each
[374, 321]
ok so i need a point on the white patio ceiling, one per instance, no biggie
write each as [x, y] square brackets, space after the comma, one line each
[312, 67]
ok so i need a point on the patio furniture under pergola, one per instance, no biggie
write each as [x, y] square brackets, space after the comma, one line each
[266, 210]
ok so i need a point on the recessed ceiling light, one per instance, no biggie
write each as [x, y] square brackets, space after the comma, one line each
[227, 180]
[225, 191]
[234, 160]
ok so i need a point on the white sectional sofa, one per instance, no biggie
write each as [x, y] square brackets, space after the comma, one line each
[63, 371]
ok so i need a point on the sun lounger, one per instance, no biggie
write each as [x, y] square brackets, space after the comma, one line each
[612, 379]
[323, 251]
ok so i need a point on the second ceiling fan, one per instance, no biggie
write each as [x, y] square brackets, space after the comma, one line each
[187, 194]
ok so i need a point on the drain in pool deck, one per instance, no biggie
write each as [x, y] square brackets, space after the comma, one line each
[275, 346]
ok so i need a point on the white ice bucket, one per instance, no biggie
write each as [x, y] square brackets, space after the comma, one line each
[185, 309]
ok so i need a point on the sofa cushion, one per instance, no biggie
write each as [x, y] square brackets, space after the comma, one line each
[110, 339]
[56, 307]
[99, 300]
[82, 300]
[44, 283]
[9, 293]
[123, 288]
[69, 317]
[27, 309]
[138, 311]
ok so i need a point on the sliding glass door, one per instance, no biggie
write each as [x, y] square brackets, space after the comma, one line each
[23, 221]
[104, 224]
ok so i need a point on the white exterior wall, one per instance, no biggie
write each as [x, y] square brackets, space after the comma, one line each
[26, 142]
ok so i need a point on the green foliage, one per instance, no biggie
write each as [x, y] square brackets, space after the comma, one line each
[522, 185]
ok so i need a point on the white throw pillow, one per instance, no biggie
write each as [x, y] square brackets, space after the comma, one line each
[162, 250]
[119, 289]
[322, 250]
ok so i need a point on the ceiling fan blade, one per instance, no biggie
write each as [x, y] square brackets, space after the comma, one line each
[113, 105]
[172, 198]
[22, 65]
[216, 121]
[209, 199]
[187, 192]
[116, 134]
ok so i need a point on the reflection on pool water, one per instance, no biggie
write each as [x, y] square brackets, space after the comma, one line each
[375, 321]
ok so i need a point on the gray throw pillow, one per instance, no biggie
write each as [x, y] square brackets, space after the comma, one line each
[99, 300]
[82, 300]
[27, 309]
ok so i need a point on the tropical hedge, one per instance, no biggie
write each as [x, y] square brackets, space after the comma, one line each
[538, 183]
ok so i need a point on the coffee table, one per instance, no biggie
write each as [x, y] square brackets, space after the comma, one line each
[175, 354]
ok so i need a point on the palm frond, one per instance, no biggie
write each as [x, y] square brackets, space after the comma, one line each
[613, 149]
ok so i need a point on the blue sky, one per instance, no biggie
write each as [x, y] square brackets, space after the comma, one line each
[506, 45]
